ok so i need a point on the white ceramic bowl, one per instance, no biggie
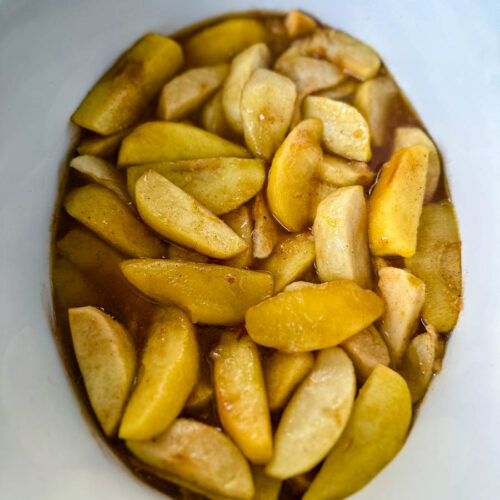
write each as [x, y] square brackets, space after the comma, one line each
[444, 54]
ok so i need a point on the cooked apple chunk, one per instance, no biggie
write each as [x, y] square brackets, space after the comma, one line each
[375, 99]
[169, 371]
[290, 259]
[213, 118]
[170, 141]
[437, 263]
[240, 222]
[121, 95]
[176, 215]
[404, 296]
[340, 91]
[185, 93]
[266, 487]
[291, 178]
[104, 213]
[313, 317]
[211, 462]
[345, 131]
[396, 202]
[299, 24]
[414, 136]
[220, 184]
[340, 172]
[101, 172]
[241, 395]
[101, 145]
[242, 67]
[107, 359]
[341, 237]
[266, 231]
[283, 372]
[267, 104]
[220, 42]
[213, 294]
[375, 433]
[321, 191]
[315, 416]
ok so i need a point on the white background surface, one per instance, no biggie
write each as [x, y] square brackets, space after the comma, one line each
[444, 54]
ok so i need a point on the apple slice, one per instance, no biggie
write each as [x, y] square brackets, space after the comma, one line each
[194, 453]
[266, 230]
[341, 237]
[240, 222]
[404, 296]
[315, 416]
[107, 359]
[102, 145]
[299, 24]
[266, 487]
[283, 373]
[375, 433]
[213, 118]
[241, 396]
[213, 294]
[176, 215]
[169, 371]
[340, 172]
[313, 317]
[104, 213]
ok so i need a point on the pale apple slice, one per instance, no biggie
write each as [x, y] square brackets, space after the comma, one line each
[267, 104]
[102, 146]
[341, 91]
[107, 359]
[213, 118]
[297, 285]
[185, 93]
[375, 100]
[340, 172]
[240, 222]
[292, 176]
[367, 349]
[176, 215]
[220, 184]
[242, 66]
[266, 487]
[341, 237]
[404, 296]
[313, 317]
[321, 191]
[241, 396]
[396, 202]
[315, 416]
[220, 42]
[213, 294]
[414, 136]
[101, 172]
[345, 130]
[169, 371]
[290, 259]
[374, 434]
[266, 230]
[299, 24]
[104, 213]
[194, 453]
[171, 141]
[283, 373]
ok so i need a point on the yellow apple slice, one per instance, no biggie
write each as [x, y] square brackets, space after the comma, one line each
[366, 349]
[414, 136]
[171, 141]
[283, 373]
[176, 215]
[240, 222]
[168, 373]
[220, 42]
[314, 317]
[404, 296]
[291, 178]
[180, 253]
[241, 396]
[340, 172]
[107, 359]
[298, 24]
[101, 172]
[437, 263]
[220, 184]
[315, 416]
[242, 66]
[185, 93]
[266, 487]
[375, 433]
[266, 231]
[121, 95]
[341, 237]
[396, 202]
[213, 294]
[345, 131]
[192, 452]
[213, 118]
[321, 191]
[341, 91]
[267, 104]
[101, 145]
[104, 213]
[290, 259]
